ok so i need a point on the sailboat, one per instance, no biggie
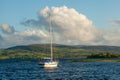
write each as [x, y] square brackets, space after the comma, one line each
[49, 62]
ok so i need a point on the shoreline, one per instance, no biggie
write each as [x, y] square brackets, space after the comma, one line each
[97, 60]
[69, 60]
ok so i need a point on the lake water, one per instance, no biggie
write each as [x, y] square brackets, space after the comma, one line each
[30, 70]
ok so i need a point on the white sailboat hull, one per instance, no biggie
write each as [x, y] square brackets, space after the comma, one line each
[52, 64]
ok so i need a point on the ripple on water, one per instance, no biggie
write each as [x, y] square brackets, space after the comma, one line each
[67, 71]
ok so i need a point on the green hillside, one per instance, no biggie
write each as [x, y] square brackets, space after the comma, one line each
[38, 51]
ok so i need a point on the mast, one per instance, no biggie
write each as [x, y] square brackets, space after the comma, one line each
[51, 39]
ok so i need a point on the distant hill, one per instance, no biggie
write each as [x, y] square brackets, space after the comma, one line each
[114, 49]
[40, 47]
[37, 51]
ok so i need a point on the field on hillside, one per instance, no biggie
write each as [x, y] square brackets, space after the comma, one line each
[60, 51]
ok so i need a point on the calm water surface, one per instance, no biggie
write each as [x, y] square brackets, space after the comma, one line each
[30, 70]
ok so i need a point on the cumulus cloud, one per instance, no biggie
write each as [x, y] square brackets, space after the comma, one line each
[66, 22]
[10, 37]
[33, 36]
[73, 27]
[69, 27]
[24, 38]
[5, 28]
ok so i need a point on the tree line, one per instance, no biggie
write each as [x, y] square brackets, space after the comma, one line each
[104, 55]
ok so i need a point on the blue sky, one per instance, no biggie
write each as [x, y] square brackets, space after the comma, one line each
[14, 11]
[104, 14]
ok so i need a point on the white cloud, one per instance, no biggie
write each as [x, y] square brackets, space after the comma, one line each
[36, 32]
[70, 24]
[5, 28]
[9, 37]
[24, 38]
[67, 23]
[72, 27]
[69, 27]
